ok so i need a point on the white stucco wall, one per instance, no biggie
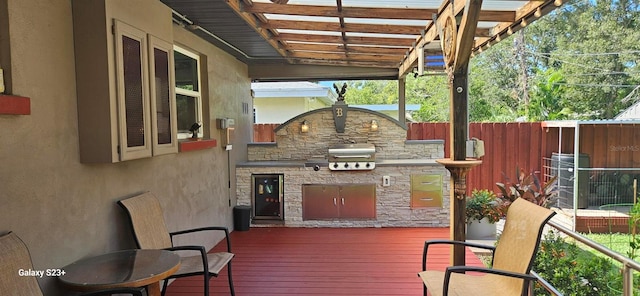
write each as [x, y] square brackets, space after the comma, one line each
[278, 110]
[65, 210]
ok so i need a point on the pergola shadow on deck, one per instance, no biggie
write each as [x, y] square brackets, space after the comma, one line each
[326, 261]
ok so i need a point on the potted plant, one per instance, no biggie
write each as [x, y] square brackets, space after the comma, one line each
[483, 210]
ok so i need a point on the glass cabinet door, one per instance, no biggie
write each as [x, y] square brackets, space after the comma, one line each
[132, 92]
[163, 106]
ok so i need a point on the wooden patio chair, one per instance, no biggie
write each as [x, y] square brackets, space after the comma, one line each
[512, 258]
[14, 256]
[150, 231]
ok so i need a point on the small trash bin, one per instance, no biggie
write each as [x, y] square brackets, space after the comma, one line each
[241, 218]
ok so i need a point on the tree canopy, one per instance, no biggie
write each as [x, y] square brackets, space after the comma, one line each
[579, 62]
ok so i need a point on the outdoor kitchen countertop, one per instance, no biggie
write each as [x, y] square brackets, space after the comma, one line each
[324, 163]
[405, 162]
[272, 163]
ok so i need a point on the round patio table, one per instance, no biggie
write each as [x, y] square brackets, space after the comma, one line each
[121, 269]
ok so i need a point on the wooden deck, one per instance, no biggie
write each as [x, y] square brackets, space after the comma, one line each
[596, 220]
[325, 261]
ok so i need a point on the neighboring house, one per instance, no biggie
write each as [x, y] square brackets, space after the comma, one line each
[633, 112]
[391, 109]
[277, 102]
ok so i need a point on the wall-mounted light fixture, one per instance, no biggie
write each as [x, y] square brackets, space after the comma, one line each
[374, 125]
[304, 128]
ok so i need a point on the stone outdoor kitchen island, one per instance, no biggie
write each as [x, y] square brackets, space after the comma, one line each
[400, 184]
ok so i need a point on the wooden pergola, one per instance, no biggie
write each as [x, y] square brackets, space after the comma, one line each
[360, 39]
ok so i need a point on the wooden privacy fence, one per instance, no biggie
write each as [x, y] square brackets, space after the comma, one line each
[507, 146]
[263, 132]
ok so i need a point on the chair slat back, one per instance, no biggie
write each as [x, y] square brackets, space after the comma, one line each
[147, 220]
[519, 241]
[14, 256]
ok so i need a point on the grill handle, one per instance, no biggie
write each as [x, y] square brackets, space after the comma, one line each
[351, 156]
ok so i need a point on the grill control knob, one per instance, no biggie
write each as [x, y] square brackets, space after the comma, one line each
[368, 164]
[357, 165]
[346, 165]
[335, 165]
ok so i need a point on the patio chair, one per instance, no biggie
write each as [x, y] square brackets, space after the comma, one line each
[14, 256]
[512, 258]
[150, 231]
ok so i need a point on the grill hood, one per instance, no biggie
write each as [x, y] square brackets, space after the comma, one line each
[345, 157]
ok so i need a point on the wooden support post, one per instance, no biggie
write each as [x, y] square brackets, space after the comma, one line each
[459, 130]
[459, 111]
[457, 40]
[402, 106]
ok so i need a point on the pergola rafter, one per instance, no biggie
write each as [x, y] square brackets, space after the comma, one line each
[294, 27]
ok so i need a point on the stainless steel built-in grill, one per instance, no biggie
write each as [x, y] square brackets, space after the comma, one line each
[347, 157]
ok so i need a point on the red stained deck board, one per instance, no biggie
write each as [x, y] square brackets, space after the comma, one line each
[325, 261]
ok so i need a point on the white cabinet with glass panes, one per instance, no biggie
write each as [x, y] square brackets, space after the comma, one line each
[125, 79]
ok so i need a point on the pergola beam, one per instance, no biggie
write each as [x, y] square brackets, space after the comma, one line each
[516, 20]
[363, 12]
[431, 34]
[397, 51]
[467, 33]
[254, 22]
[349, 12]
[336, 27]
[350, 40]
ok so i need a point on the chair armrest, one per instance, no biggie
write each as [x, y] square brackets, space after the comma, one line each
[132, 291]
[450, 242]
[203, 252]
[215, 228]
[463, 269]
[187, 248]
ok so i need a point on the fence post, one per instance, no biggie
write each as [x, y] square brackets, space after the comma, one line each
[627, 280]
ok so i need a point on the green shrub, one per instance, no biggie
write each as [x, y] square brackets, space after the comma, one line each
[634, 228]
[574, 271]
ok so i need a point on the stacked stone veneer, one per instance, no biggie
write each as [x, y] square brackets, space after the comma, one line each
[389, 139]
[292, 149]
